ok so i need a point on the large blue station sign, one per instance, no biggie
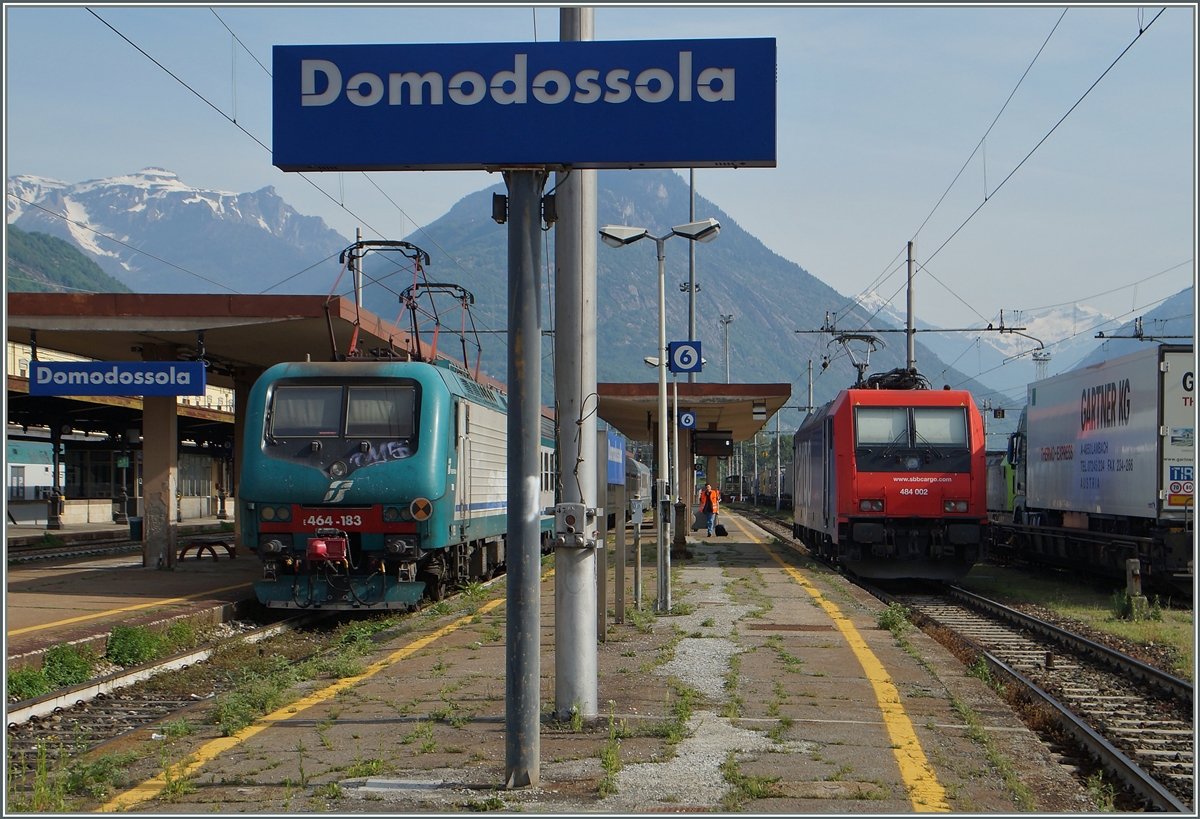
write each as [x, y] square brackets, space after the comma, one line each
[117, 378]
[587, 104]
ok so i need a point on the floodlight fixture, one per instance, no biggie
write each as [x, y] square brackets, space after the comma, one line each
[704, 230]
[619, 235]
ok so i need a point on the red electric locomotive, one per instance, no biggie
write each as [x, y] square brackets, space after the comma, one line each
[891, 483]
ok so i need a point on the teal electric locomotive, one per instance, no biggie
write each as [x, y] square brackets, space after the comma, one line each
[372, 484]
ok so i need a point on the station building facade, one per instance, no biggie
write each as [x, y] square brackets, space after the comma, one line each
[100, 450]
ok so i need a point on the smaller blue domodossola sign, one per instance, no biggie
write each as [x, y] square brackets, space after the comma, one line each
[116, 378]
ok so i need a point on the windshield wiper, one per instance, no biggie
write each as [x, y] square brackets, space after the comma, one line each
[895, 442]
[930, 446]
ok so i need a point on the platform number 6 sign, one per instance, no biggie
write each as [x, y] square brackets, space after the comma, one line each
[684, 356]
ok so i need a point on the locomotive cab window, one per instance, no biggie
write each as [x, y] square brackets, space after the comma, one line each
[380, 412]
[911, 439]
[306, 412]
[940, 426]
[880, 426]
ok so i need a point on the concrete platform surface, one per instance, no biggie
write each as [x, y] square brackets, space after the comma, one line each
[81, 599]
[770, 689]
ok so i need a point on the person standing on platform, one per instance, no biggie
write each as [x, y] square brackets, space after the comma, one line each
[710, 500]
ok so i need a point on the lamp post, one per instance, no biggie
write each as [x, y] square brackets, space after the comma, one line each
[727, 320]
[704, 230]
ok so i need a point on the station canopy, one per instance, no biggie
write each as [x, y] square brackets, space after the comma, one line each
[633, 408]
[240, 331]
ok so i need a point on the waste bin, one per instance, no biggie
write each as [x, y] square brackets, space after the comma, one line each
[135, 529]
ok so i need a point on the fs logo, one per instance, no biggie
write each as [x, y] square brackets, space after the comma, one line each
[337, 491]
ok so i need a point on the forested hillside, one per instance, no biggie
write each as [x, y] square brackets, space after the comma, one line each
[40, 263]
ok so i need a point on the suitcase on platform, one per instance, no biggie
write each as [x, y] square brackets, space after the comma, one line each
[720, 531]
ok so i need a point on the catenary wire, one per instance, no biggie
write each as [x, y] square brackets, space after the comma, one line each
[341, 203]
[885, 275]
[239, 41]
[1044, 138]
[265, 147]
[1078, 301]
[1141, 31]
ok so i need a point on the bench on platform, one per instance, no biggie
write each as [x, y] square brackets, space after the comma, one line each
[203, 543]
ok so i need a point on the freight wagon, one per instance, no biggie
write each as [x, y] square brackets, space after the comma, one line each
[1102, 468]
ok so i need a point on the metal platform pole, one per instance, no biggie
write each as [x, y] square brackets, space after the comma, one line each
[575, 594]
[522, 735]
[663, 512]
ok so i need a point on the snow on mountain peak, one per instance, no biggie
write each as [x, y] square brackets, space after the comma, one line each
[29, 188]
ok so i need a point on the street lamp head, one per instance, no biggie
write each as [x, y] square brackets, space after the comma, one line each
[703, 231]
[651, 361]
[619, 235]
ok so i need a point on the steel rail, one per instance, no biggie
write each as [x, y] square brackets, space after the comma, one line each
[1132, 775]
[22, 712]
[103, 547]
[1167, 682]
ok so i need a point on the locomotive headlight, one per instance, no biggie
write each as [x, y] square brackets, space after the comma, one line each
[391, 514]
[338, 469]
[870, 505]
[955, 506]
[283, 513]
[268, 513]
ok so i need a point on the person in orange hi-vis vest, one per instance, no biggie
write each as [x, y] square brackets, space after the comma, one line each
[710, 500]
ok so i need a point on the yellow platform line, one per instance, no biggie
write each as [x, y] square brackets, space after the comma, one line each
[151, 604]
[924, 791]
[211, 750]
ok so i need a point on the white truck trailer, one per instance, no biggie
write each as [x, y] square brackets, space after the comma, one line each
[1109, 456]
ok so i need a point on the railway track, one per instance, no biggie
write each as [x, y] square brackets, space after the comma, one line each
[1132, 719]
[75, 720]
[70, 722]
[28, 554]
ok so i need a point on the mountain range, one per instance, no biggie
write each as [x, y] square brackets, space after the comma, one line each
[169, 237]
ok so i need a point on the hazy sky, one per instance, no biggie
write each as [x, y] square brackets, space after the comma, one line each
[878, 110]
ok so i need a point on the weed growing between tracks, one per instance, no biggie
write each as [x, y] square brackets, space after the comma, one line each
[65, 665]
[1021, 795]
[1101, 792]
